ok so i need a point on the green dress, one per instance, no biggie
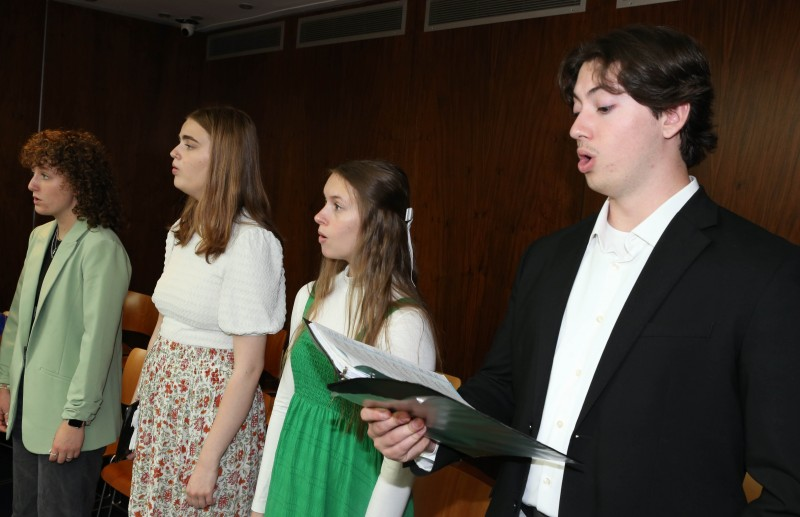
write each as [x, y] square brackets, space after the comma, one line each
[325, 464]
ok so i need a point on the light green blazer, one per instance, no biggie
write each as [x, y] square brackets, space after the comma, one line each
[71, 350]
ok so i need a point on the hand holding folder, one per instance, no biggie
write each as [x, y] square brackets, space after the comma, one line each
[373, 378]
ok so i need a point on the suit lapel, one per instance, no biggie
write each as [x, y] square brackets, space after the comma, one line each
[558, 286]
[676, 250]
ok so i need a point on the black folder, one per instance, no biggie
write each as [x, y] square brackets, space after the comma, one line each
[373, 378]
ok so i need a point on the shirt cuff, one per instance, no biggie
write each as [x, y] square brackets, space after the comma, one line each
[425, 460]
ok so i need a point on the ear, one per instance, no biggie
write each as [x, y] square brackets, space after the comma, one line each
[673, 120]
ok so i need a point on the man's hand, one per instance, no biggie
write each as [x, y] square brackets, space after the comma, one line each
[5, 407]
[396, 435]
[67, 443]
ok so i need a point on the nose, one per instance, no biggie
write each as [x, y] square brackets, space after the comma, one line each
[319, 217]
[33, 184]
[578, 129]
[174, 153]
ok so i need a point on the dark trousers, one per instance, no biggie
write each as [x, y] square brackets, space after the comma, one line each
[45, 489]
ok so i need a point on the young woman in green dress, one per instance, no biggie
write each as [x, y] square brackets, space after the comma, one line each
[318, 459]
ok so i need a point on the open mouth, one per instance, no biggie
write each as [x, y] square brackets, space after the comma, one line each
[585, 161]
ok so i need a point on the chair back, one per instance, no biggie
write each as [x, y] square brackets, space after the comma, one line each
[455, 381]
[274, 353]
[139, 313]
[752, 488]
[131, 373]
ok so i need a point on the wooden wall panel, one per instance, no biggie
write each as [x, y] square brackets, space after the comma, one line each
[127, 81]
[472, 114]
[20, 67]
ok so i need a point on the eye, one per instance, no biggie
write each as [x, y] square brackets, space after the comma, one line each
[188, 145]
[605, 109]
[337, 206]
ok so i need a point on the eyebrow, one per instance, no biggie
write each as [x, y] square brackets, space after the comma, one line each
[591, 92]
[188, 137]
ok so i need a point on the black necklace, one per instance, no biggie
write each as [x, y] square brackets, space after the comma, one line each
[54, 244]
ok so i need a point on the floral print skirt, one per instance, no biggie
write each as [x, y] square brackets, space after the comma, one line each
[180, 390]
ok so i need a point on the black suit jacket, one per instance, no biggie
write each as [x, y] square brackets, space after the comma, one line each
[698, 381]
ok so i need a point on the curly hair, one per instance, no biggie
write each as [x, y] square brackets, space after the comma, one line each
[82, 160]
[658, 67]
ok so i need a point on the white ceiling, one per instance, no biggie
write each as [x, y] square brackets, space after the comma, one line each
[210, 14]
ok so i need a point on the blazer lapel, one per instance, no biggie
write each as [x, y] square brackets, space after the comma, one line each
[33, 267]
[677, 248]
[65, 251]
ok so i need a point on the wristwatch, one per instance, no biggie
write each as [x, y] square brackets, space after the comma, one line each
[75, 423]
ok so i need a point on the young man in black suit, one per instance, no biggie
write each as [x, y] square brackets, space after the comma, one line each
[655, 344]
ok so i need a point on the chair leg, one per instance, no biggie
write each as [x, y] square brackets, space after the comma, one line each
[102, 498]
[111, 502]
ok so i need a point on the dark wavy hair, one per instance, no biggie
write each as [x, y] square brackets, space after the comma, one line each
[234, 182]
[658, 67]
[82, 160]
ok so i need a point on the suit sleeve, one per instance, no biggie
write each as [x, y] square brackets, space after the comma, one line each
[770, 362]
[106, 274]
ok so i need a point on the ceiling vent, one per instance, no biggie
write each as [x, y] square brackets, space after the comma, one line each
[243, 42]
[375, 21]
[450, 14]
[637, 3]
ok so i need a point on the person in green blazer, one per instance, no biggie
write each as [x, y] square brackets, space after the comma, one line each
[60, 357]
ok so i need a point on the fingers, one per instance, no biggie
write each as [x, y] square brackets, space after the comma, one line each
[398, 437]
[62, 456]
[199, 501]
[200, 488]
[375, 414]
[383, 421]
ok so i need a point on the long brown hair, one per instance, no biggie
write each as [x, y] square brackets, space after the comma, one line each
[381, 273]
[234, 182]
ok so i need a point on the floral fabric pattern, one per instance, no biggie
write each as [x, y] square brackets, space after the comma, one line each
[180, 390]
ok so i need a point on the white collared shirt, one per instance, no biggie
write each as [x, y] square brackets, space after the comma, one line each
[611, 265]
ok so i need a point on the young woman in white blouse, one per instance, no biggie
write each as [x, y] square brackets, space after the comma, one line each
[318, 459]
[201, 413]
